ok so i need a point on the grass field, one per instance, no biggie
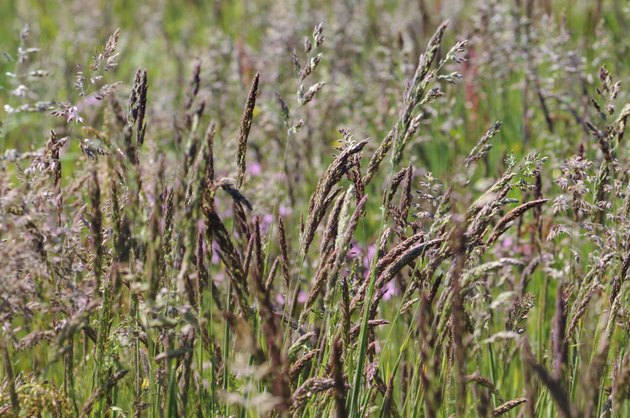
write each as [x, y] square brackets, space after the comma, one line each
[344, 208]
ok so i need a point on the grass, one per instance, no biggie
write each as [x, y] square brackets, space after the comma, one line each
[232, 209]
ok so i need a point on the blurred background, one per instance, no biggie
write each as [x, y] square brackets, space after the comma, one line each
[519, 53]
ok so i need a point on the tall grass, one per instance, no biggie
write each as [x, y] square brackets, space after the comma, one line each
[363, 217]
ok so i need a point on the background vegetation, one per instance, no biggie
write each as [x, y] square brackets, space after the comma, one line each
[314, 208]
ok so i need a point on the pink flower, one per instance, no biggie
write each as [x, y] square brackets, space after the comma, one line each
[390, 290]
[355, 250]
[365, 255]
[265, 223]
[280, 299]
[219, 277]
[508, 247]
[302, 297]
[215, 254]
[284, 211]
[201, 226]
[255, 169]
[267, 220]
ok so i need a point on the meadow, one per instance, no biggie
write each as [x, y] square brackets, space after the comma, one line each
[297, 208]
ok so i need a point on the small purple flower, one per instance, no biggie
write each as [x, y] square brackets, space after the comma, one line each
[265, 223]
[215, 254]
[201, 227]
[356, 250]
[219, 277]
[390, 290]
[509, 246]
[255, 169]
[302, 297]
[280, 299]
[284, 210]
